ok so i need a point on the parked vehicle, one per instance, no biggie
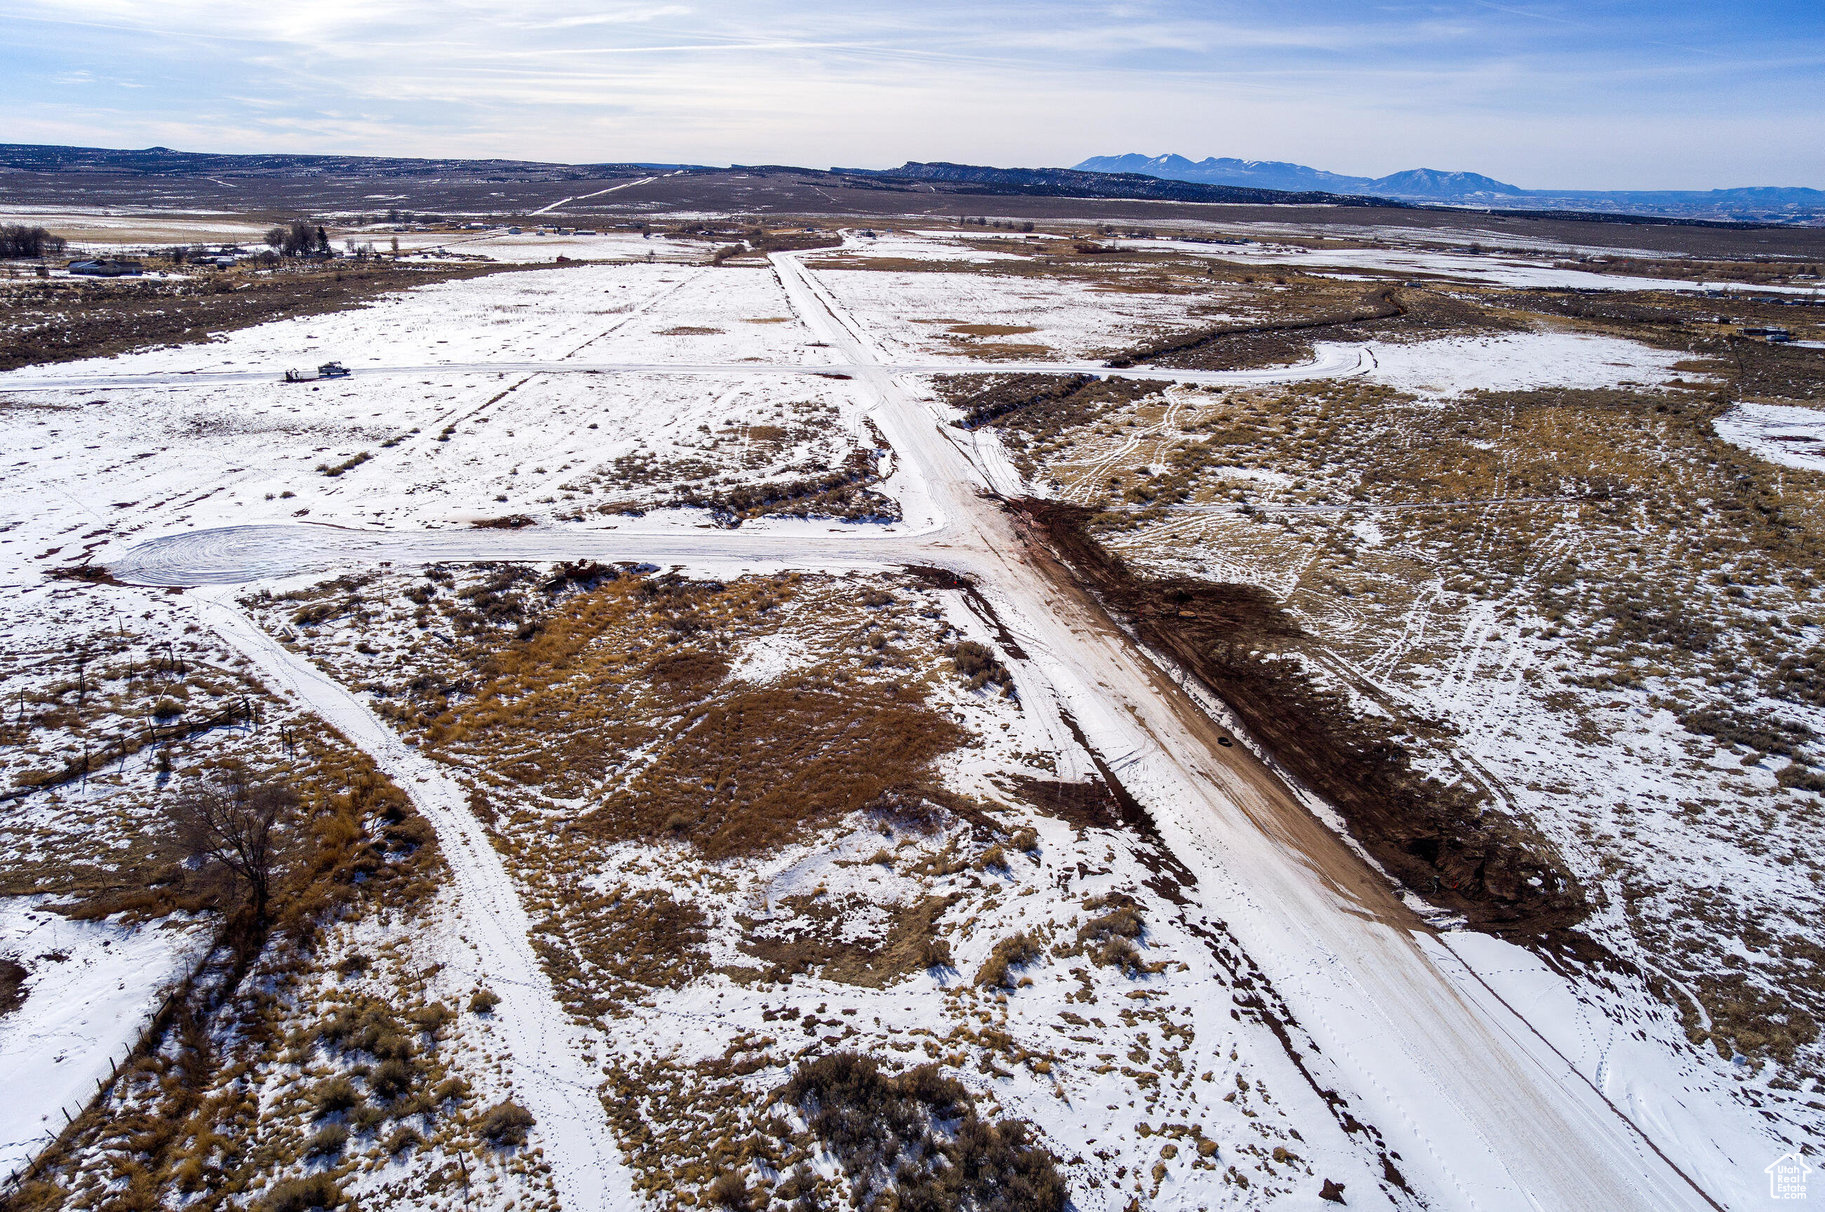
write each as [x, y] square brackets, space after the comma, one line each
[329, 370]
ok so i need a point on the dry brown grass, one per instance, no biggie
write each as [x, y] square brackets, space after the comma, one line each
[733, 769]
[991, 330]
[755, 767]
[607, 950]
[1014, 951]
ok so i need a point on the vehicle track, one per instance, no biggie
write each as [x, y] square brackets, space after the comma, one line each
[487, 937]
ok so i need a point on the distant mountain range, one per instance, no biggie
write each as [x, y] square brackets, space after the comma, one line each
[1762, 204]
[1070, 182]
[158, 176]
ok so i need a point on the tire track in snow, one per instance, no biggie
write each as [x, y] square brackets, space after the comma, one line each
[489, 937]
[545, 210]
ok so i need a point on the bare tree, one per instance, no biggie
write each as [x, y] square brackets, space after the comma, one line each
[237, 826]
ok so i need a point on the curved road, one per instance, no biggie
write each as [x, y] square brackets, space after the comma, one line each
[1483, 1113]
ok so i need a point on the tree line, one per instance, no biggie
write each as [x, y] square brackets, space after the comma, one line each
[18, 240]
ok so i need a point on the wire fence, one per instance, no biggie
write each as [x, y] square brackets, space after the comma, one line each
[154, 1025]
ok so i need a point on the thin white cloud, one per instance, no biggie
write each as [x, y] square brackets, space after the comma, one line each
[630, 17]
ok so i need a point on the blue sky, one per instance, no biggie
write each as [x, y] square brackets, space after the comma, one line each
[1601, 94]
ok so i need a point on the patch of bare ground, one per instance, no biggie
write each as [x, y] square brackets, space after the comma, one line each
[804, 939]
[803, 463]
[13, 975]
[65, 320]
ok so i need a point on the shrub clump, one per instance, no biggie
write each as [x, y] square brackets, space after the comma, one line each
[328, 1141]
[730, 1190]
[916, 1143]
[505, 1124]
[1014, 951]
[335, 1095]
[303, 1194]
[1109, 939]
[979, 666]
[390, 1079]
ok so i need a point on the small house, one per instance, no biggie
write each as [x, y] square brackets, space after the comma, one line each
[107, 268]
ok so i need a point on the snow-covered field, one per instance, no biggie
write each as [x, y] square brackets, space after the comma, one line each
[1790, 436]
[1454, 366]
[446, 447]
[1239, 1025]
[91, 987]
[1495, 268]
[911, 315]
[529, 247]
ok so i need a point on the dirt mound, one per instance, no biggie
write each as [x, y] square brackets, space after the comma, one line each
[1446, 843]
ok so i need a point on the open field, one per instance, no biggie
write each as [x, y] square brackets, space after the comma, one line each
[790, 727]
